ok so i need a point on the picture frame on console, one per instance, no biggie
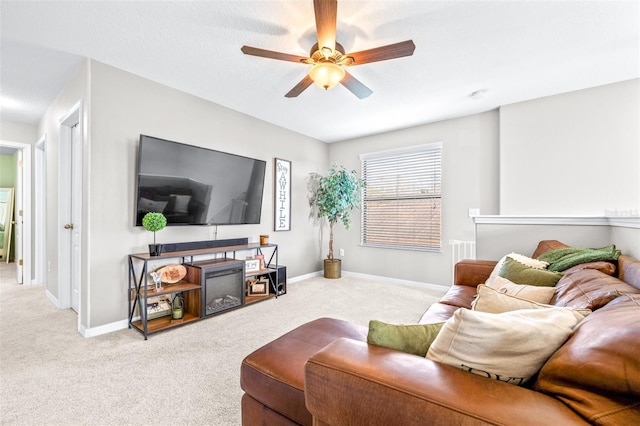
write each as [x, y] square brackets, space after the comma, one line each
[282, 195]
[252, 265]
[259, 288]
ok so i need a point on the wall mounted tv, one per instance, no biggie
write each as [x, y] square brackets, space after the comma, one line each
[197, 186]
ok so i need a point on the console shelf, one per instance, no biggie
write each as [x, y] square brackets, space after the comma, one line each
[193, 288]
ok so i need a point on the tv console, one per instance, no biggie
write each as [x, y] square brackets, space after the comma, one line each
[216, 282]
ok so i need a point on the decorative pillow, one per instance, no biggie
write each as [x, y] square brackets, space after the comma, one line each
[148, 205]
[510, 347]
[522, 274]
[180, 203]
[525, 260]
[490, 300]
[413, 339]
[530, 292]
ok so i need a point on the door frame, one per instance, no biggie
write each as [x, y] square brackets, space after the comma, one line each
[26, 207]
[40, 212]
[65, 165]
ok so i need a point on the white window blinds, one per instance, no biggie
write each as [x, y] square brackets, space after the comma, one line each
[401, 202]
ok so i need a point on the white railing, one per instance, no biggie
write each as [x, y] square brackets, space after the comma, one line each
[462, 250]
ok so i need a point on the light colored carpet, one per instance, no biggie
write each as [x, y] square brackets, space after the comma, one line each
[50, 374]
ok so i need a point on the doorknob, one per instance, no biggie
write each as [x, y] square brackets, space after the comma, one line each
[68, 226]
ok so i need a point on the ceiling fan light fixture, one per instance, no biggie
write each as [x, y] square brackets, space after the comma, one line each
[326, 74]
[327, 52]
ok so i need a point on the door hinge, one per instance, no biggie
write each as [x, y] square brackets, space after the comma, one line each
[20, 163]
[20, 262]
[20, 213]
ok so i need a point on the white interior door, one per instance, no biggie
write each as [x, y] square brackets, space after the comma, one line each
[70, 211]
[22, 217]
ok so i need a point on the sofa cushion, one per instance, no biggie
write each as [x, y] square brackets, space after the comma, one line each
[438, 312]
[604, 267]
[522, 274]
[597, 371]
[273, 375]
[411, 338]
[629, 270]
[534, 293]
[546, 245]
[589, 289]
[510, 347]
[459, 295]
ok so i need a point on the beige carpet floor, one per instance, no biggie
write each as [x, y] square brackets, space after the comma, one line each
[51, 375]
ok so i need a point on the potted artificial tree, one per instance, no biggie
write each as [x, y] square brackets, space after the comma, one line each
[333, 197]
[154, 222]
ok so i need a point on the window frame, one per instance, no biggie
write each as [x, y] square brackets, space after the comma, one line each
[429, 150]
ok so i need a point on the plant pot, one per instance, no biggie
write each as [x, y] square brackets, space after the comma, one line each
[332, 268]
[155, 249]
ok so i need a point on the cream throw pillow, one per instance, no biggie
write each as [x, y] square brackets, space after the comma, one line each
[522, 291]
[510, 347]
[489, 300]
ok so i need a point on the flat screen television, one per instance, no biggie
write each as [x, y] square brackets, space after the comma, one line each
[191, 185]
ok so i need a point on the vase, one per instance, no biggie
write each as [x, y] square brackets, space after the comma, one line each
[332, 268]
[155, 249]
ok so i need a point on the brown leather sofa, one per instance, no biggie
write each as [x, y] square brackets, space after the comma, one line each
[324, 372]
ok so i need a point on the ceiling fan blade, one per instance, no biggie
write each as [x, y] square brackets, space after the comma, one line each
[300, 87]
[326, 16]
[383, 53]
[255, 51]
[355, 86]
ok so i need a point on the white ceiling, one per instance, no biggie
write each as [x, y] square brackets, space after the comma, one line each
[513, 50]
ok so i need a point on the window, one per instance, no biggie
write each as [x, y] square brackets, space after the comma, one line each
[401, 202]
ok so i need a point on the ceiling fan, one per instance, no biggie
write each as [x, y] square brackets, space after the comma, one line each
[329, 58]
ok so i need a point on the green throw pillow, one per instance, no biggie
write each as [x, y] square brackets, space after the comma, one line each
[414, 339]
[518, 273]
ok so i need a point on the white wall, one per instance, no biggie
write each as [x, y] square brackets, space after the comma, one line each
[498, 236]
[496, 240]
[576, 153]
[469, 180]
[18, 132]
[123, 106]
[119, 106]
[77, 90]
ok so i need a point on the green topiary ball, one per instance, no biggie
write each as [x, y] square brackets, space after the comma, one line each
[154, 221]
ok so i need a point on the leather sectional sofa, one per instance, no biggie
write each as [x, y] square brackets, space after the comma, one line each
[325, 373]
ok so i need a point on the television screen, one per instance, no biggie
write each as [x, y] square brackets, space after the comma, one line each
[197, 186]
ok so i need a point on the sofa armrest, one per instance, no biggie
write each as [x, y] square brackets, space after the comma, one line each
[351, 382]
[473, 272]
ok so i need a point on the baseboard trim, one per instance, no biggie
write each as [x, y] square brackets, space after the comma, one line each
[122, 324]
[409, 283]
[103, 329]
[304, 277]
[52, 298]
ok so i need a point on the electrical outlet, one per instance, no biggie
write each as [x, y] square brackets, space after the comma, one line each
[474, 212]
[341, 252]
